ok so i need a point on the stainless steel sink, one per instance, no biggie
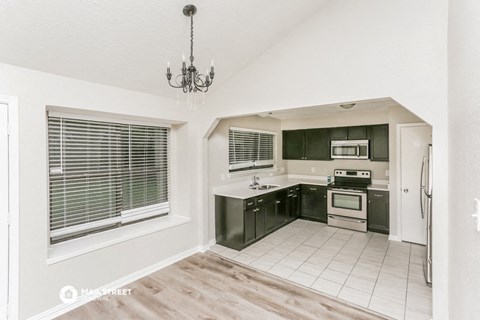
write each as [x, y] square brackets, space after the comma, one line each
[265, 187]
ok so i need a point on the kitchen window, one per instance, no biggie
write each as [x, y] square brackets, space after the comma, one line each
[104, 175]
[251, 149]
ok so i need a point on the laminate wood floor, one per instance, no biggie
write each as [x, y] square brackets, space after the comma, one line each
[206, 286]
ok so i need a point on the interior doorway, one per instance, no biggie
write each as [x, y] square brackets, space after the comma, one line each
[9, 207]
[4, 210]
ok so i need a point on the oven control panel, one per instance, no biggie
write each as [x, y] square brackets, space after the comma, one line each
[352, 173]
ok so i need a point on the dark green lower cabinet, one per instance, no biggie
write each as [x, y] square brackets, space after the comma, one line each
[270, 218]
[295, 206]
[281, 211]
[314, 202]
[378, 211]
[260, 222]
[249, 223]
[239, 223]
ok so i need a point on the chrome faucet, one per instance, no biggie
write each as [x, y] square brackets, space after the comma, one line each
[254, 182]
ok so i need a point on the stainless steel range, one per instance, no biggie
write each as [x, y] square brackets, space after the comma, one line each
[347, 199]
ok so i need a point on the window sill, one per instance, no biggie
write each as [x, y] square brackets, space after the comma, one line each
[250, 172]
[76, 247]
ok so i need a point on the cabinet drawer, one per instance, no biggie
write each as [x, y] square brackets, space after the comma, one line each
[249, 203]
[375, 194]
[269, 197]
[311, 188]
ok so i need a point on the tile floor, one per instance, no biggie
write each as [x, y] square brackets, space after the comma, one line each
[362, 268]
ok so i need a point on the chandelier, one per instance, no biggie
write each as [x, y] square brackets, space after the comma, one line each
[190, 79]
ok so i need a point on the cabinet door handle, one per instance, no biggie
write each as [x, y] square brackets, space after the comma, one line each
[260, 200]
[249, 203]
[313, 189]
[277, 202]
[295, 196]
[378, 195]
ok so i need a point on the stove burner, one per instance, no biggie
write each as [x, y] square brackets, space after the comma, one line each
[351, 179]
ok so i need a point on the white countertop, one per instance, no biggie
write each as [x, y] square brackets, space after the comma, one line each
[242, 191]
[380, 187]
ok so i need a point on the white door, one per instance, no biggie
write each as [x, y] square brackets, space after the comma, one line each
[414, 141]
[4, 208]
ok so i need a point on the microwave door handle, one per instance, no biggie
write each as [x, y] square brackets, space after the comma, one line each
[422, 188]
[358, 150]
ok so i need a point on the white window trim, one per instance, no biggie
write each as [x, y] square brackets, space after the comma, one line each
[249, 172]
[144, 212]
[75, 247]
[252, 130]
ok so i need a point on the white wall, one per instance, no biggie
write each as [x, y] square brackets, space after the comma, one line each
[464, 149]
[40, 283]
[359, 50]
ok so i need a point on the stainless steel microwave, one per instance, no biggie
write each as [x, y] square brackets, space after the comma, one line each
[349, 149]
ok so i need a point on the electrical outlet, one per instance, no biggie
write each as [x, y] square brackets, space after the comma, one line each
[387, 173]
[312, 169]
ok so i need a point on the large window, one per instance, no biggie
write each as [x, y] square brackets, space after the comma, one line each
[250, 149]
[105, 174]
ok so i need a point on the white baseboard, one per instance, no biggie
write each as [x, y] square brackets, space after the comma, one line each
[83, 299]
[394, 238]
[208, 245]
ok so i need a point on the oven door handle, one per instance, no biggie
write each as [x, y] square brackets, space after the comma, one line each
[346, 219]
[346, 191]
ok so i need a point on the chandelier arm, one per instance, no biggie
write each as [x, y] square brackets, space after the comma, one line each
[173, 86]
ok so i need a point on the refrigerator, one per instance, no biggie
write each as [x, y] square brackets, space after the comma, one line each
[426, 209]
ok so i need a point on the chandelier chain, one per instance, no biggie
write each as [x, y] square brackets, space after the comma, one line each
[191, 38]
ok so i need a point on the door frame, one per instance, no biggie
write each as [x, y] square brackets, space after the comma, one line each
[399, 171]
[14, 205]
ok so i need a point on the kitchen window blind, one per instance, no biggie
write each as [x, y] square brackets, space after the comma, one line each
[250, 149]
[105, 174]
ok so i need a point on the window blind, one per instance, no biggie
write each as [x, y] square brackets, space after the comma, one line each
[104, 174]
[250, 149]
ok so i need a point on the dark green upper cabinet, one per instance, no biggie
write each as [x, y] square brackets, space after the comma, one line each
[293, 144]
[317, 144]
[357, 133]
[349, 133]
[339, 133]
[379, 142]
[307, 144]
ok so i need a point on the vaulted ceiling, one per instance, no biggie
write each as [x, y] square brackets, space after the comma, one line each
[128, 43]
